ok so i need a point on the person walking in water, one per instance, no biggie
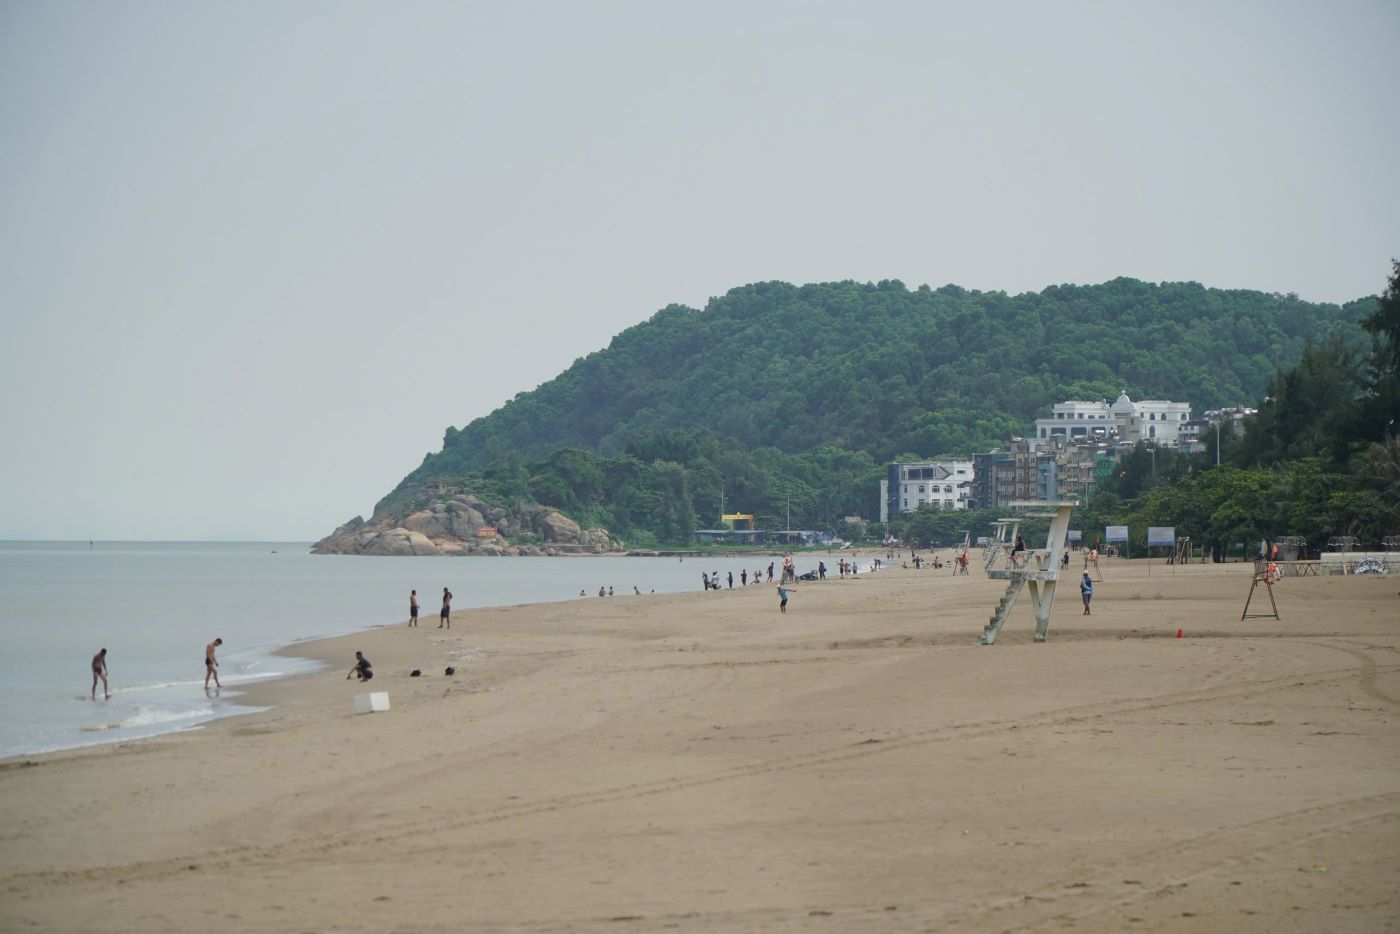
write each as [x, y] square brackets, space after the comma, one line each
[413, 608]
[99, 670]
[445, 614]
[211, 664]
[1086, 590]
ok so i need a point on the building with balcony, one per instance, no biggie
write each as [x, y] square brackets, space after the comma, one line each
[944, 483]
[1124, 422]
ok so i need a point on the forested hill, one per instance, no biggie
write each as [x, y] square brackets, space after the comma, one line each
[886, 370]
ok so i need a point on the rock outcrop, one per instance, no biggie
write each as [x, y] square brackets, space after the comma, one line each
[461, 524]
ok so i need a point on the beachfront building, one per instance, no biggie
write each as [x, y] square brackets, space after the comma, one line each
[943, 483]
[1124, 422]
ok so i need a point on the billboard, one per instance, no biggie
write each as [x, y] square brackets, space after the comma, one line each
[1161, 536]
[1075, 535]
[1115, 533]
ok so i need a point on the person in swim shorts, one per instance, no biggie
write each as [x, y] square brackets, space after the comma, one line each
[782, 598]
[211, 664]
[99, 670]
[413, 608]
[362, 668]
[445, 614]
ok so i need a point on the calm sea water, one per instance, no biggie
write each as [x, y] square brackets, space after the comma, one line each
[154, 606]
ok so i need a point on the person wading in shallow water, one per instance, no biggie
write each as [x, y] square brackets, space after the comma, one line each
[211, 664]
[99, 670]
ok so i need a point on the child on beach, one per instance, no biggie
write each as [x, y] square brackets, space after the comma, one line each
[782, 598]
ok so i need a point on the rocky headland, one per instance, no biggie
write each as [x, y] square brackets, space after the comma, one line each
[461, 524]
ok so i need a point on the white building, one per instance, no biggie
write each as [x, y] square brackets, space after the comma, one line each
[943, 484]
[1154, 421]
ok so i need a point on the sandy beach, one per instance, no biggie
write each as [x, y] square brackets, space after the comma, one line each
[698, 762]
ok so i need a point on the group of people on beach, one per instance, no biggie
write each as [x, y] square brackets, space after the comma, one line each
[100, 673]
[444, 614]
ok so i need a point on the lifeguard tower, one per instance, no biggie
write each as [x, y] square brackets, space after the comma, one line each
[1035, 568]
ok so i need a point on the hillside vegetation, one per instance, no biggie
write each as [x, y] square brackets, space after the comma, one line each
[784, 400]
[886, 370]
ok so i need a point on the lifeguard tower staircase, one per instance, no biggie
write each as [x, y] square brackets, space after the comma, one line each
[1035, 568]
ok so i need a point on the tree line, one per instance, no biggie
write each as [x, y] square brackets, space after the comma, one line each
[785, 401]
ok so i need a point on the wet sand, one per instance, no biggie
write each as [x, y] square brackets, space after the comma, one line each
[697, 762]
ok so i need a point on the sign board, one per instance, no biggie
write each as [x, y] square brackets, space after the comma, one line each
[1075, 535]
[1115, 533]
[486, 531]
[1161, 536]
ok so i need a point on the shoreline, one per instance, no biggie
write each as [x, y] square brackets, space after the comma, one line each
[702, 762]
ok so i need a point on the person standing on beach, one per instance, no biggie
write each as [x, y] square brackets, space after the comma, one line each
[731, 580]
[1086, 590]
[413, 608]
[211, 664]
[445, 614]
[782, 598]
[99, 670]
[770, 572]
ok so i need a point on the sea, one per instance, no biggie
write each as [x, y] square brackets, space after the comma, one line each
[155, 605]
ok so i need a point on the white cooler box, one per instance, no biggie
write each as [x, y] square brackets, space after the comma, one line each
[372, 702]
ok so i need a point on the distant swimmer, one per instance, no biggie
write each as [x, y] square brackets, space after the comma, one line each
[413, 608]
[99, 670]
[211, 664]
[362, 668]
[445, 614]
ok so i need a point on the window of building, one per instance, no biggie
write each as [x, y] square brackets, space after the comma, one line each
[921, 489]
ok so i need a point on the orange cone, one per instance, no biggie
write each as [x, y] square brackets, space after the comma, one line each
[1178, 633]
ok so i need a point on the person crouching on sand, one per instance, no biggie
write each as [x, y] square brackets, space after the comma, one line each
[99, 670]
[362, 668]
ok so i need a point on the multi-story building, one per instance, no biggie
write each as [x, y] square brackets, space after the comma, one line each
[944, 483]
[1154, 421]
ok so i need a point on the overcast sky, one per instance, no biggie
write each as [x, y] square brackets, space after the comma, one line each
[256, 257]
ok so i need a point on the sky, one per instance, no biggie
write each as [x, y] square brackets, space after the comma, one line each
[256, 257]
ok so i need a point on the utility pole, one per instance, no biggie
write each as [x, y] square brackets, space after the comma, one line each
[787, 503]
